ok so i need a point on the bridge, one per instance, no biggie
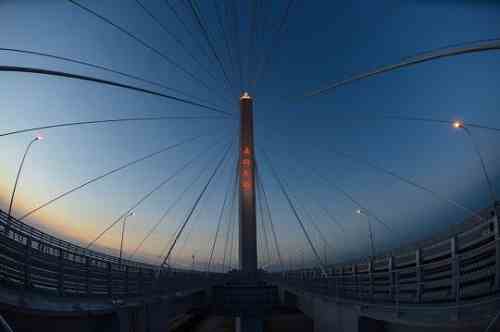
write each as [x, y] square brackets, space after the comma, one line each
[48, 281]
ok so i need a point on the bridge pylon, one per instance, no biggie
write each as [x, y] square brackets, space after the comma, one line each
[247, 214]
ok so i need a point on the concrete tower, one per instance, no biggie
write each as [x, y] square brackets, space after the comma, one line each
[247, 220]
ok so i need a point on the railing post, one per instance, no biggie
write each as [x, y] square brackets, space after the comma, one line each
[355, 279]
[141, 282]
[390, 267]
[60, 272]
[126, 279]
[370, 275]
[110, 278]
[27, 264]
[150, 274]
[340, 290]
[418, 271]
[331, 279]
[87, 275]
[7, 227]
[455, 271]
[396, 284]
[496, 229]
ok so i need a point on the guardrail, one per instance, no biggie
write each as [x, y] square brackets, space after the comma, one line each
[36, 261]
[462, 268]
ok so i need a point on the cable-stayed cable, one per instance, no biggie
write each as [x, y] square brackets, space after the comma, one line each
[173, 204]
[230, 221]
[148, 194]
[48, 72]
[193, 208]
[236, 37]
[491, 45]
[191, 228]
[224, 36]
[405, 180]
[102, 176]
[143, 43]
[351, 198]
[268, 209]
[261, 214]
[221, 214]
[294, 210]
[175, 38]
[263, 225]
[274, 44]
[251, 42]
[329, 215]
[233, 239]
[103, 68]
[205, 33]
[83, 123]
[312, 221]
[190, 32]
[325, 210]
[177, 235]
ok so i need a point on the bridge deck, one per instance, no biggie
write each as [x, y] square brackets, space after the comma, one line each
[34, 261]
[460, 269]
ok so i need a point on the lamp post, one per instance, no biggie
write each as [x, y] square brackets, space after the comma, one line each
[461, 125]
[37, 138]
[123, 233]
[370, 232]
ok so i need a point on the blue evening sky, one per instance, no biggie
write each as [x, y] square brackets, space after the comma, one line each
[323, 41]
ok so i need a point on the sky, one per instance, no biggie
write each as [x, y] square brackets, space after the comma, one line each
[321, 42]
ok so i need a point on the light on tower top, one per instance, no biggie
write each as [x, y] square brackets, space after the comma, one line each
[245, 96]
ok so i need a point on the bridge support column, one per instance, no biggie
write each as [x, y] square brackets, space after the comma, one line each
[247, 219]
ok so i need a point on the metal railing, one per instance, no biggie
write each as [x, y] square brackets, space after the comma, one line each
[462, 268]
[36, 261]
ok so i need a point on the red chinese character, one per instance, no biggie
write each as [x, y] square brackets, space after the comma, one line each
[246, 185]
[245, 162]
[246, 150]
[245, 173]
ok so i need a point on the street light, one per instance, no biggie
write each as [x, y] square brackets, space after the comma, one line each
[37, 138]
[123, 233]
[460, 125]
[457, 124]
[370, 232]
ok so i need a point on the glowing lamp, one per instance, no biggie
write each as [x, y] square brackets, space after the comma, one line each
[457, 124]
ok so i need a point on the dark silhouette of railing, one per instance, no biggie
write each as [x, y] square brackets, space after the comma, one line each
[462, 268]
[454, 270]
[32, 260]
